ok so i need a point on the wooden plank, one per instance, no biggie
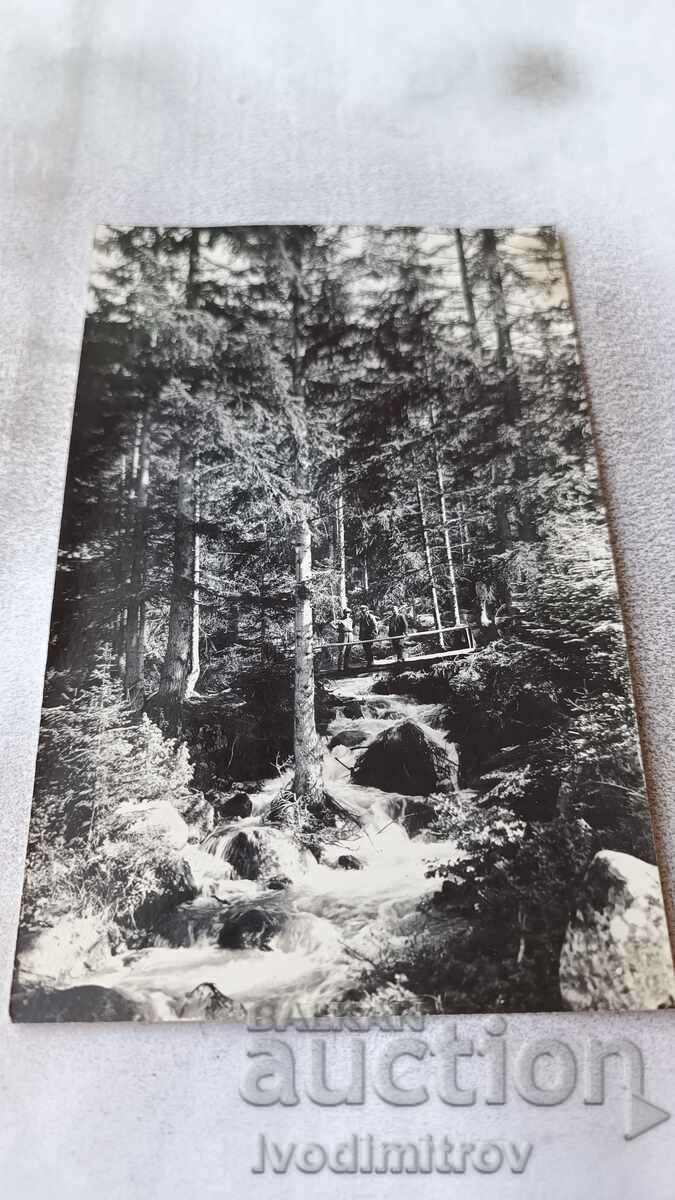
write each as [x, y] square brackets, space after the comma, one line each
[386, 664]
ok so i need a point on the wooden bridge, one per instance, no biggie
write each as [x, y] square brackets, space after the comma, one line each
[450, 641]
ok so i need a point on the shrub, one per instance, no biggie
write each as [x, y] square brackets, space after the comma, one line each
[95, 757]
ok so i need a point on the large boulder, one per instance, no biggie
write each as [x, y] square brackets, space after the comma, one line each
[250, 928]
[157, 820]
[86, 1003]
[233, 807]
[616, 954]
[206, 1003]
[69, 947]
[407, 759]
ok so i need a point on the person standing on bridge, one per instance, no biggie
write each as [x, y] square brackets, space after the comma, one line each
[367, 633]
[345, 638]
[398, 627]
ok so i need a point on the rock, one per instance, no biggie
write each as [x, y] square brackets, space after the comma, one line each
[417, 815]
[187, 924]
[452, 895]
[353, 709]
[349, 737]
[234, 807]
[198, 814]
[406, 759]
[244, 854]
[279, 882]
[174, 884]
[70, 947]
[616, 954]
[156, 820]
[206, 1003]
[261, 853]
[86, 1003]
[349, 862]
[250, 928]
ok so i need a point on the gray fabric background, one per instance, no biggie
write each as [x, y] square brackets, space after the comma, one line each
[367, 110]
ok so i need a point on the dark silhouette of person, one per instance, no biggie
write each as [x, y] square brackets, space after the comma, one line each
[367, 631]
[345, 638]
[398, 627]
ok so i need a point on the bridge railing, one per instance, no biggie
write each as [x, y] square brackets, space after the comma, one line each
[416, 643]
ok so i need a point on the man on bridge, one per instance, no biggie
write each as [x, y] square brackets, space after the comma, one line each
[345, 638]
[398, 627]
[367, 632]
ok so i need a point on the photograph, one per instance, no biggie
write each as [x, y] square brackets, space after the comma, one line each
[337, 715]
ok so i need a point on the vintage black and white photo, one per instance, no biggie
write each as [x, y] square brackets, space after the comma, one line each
[337, 713]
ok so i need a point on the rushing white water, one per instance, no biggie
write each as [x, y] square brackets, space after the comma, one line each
[336, 921]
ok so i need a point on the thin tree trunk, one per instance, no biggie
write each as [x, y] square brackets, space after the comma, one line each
[308, 783]
[127, 522]
[135, 618]
[366, 584]
[195, 666]
[497, 301]
[460, 526]
[504, 358]
[173, 679]
[192, 282]
[444, 520]
[467, 294]
[340, 545]
[308, 779]
[500, 505]
[174, 675]
[430, 566]
[263, 617]
[122, 572]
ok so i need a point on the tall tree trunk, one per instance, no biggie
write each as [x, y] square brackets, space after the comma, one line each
[308, 783]
[174, 675]
[462, 540]
[263, 616]
[308, 779]
[500, 505]
[366, 583]
[195, 666]
[340, 545]
[497, 301]
[173, 679]
[430, 565]
[192, 282]
[440, 478]
[122, 571]
[467, 294]
[135, 617]
[501, 469]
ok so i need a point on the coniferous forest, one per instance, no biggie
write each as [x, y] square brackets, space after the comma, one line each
[337, 712]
